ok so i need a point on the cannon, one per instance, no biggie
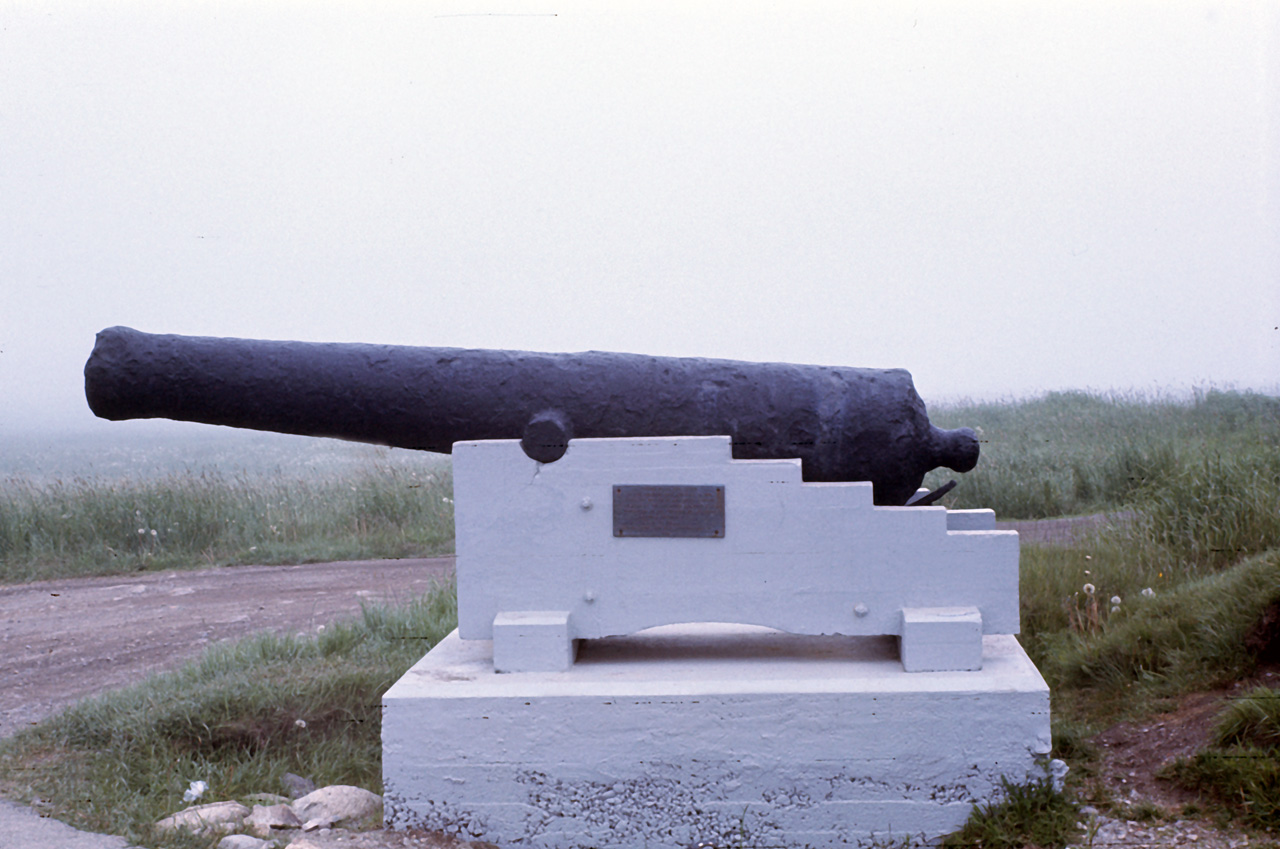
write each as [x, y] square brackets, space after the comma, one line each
[844, 424]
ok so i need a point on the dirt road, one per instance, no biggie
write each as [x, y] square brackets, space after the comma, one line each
[66, 639]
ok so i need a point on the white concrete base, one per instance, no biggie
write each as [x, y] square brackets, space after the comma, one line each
[714, 734]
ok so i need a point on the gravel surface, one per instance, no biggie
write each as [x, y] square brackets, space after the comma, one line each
[1065, 531]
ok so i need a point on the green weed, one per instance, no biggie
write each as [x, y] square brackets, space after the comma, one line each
[1243, 779]
[1026, 814]
[1251, 720]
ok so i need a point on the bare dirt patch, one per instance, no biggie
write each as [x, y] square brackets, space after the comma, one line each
[63, 640]
[1132, 754]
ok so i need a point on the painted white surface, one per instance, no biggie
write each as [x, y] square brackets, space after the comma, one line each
[971, 520]
[807, 558]
[713, 733]
[532, 641]
[941, 638]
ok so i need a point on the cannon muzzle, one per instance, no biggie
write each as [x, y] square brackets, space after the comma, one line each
[845, 424]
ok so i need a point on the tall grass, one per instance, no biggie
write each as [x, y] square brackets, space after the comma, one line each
[92, 526]
[1190, 634]
[1212, 509]
[1076, 452]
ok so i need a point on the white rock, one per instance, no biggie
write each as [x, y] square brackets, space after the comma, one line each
[264, 818]
[336, 804]
[203, 819]
[244, 841]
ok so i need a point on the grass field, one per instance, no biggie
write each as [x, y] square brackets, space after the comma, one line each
[84, 508]
[1119, 624]
[1068, 453]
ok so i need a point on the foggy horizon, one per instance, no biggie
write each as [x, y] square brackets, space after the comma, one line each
[1003, 199]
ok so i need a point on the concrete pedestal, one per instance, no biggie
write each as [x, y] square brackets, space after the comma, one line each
[712, 734]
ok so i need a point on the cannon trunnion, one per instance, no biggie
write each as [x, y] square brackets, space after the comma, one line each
[844, 424]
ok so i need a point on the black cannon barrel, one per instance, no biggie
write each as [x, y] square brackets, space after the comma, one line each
[845, 424]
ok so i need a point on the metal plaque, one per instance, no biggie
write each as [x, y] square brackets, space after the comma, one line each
[668, 511]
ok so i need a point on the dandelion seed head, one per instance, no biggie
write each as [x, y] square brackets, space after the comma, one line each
[1088, 589]
[1115, 599]
[1115, 609]
[1148, 593]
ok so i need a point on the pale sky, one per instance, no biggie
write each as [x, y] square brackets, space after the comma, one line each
[1003, 198]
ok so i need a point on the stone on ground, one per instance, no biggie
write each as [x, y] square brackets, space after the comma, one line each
[204, 819]
[337, 804]
[265, 818]
[244, 841]
[297, 786]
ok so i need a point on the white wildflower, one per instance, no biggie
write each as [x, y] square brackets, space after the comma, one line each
[1148, 593]
[1088, 589]
[1058, 770]
[195, 791]
[1115, 599]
